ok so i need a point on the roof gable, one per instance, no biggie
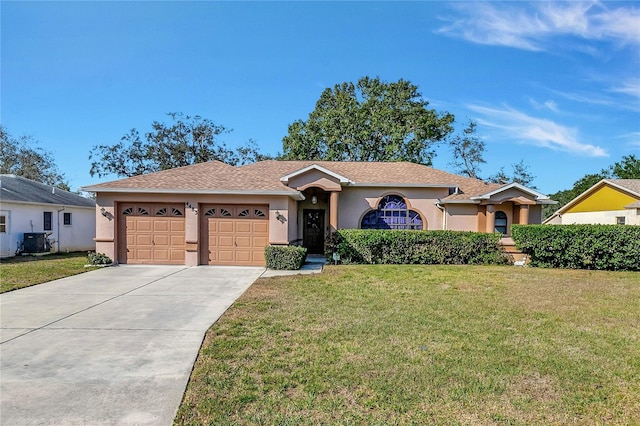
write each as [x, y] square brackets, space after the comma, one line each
[18, 189]
[608, 194]
[605, 197]
[343, 180]
[512, 186]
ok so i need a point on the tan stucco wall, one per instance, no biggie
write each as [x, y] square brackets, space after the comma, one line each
[462, 217]
[106, 236]
[355, 202]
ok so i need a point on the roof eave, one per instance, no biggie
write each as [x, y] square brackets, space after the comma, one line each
[405, 185]
[293, 194]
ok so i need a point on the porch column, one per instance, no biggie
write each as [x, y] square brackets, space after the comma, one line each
[524, 214]
[491, 219]
[333, 210]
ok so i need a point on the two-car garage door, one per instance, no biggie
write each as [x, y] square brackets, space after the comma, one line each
[229, 234]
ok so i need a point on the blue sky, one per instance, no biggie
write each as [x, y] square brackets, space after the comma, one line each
[554, 84]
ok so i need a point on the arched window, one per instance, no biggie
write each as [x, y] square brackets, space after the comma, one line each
[392, 213]
[501, 222]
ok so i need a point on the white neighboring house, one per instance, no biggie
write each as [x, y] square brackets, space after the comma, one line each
[26, 206]
[608, 202]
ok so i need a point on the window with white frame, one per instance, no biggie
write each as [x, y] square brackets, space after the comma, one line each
[3, 224]
[67, 219]
[620, 220]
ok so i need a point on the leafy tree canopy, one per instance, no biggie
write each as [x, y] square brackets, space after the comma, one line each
[468, 150]
[22, 157]
[519, 174]
[186, 140]
[371, 120]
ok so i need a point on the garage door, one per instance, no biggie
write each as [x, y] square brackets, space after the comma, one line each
[152, 234]
[234, 235]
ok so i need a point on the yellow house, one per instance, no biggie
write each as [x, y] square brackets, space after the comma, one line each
[608, 202]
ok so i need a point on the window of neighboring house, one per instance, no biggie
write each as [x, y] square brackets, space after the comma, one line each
[620, 220]
[501, 222]
[67, 218]
[48, 221]
[392, 213]
[3, 224]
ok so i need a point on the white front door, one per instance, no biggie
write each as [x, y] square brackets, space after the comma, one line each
[5, 234]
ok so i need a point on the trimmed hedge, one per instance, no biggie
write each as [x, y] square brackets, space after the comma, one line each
[609, 247]
[415, 247]
[285, 257]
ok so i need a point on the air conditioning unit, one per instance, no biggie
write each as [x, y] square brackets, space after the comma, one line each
[35, 242]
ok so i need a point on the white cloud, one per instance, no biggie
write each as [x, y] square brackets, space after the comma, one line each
[535, 26]
[548, 104]
[629, 87]
[535, 131]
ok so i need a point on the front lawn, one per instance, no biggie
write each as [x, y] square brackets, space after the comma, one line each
[424, 345]
[24, 271]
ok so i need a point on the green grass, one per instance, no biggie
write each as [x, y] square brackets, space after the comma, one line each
[424, 345]
[24, 271]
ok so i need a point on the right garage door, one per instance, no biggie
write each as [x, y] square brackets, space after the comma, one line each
[234, 234]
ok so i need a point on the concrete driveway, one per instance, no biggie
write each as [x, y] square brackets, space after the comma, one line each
[112, 346]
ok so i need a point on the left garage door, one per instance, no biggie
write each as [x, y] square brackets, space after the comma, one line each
[152, 234]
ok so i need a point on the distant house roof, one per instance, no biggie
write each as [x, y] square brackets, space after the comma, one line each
[21, 190]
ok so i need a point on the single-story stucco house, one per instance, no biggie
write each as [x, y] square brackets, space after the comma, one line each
[214, 213]
[608, 202]
[27, 207]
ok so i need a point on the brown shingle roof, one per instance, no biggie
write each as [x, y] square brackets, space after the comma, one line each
[632, 185]
[381, 173]
[264, 177]
[213, 176]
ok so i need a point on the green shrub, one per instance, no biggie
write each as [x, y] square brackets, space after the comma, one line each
[285, 257]
[609, 247]
[98, 259]
[415, 247]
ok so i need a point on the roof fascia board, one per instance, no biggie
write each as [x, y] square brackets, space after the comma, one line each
[342, 179]
[293, 194]
[623, 188]
[406, 185]
[467, 201]
[35, 203]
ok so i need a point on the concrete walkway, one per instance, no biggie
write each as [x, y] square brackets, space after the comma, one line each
[112, 346]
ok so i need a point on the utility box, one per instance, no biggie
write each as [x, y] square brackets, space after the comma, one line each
[35, 242]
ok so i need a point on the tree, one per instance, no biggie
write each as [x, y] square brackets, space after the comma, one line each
[187, 140]
[22, 157]
[520, 174]
[468, 150]
[627, 168]
[371, 120]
